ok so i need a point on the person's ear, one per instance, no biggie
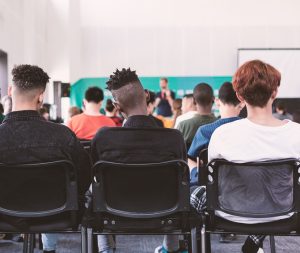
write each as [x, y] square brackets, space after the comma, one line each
[41, 98]
[9, 92]
[274, 94]
[239, 97]
[147, 96]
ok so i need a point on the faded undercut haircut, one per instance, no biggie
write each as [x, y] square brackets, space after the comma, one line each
[126, 88]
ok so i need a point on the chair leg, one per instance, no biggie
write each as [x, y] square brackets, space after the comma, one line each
[25, 244]
[40, 242]
[83, 240]
[203, 240]
[28, 246]
[194, 240]
[272, 244]
[89, 240]
[208, 243]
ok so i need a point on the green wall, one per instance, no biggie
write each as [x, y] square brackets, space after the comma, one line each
[181, 85]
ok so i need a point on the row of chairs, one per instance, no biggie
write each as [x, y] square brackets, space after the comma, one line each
[126, 199]
[246, 203]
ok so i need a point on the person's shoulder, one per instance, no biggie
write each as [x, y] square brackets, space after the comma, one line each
[233, 126]
[77, 117]
[107, 120]
[294, 125]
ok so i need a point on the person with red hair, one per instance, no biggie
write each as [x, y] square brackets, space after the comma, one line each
[259, 137]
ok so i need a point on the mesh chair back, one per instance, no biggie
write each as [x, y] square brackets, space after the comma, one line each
[257, 189]
[86, 145]
[141, 190]
[38, 189]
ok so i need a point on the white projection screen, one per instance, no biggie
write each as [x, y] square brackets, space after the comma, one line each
[287, 61]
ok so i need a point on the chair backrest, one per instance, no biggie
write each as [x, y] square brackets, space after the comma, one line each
[38, 189]
[86, 145]
[141, 190]
[254, 189]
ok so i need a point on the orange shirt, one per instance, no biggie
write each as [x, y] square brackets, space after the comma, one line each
[86, 126]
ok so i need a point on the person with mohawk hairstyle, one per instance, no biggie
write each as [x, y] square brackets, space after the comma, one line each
[140, 140]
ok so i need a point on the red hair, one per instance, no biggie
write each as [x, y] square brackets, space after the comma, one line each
[255, 81]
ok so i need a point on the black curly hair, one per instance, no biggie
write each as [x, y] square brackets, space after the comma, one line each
[28, 77]
[121, 78]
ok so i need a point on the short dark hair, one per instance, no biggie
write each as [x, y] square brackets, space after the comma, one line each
[1, 109]
[164, 79]
[227, 94]
[29, 77]
[151, 97]
[121, 78]
[127, 89]
[255, 81]
[190, 95]
[109, 105]
[203, 94]
[94, 94]
[296, 116]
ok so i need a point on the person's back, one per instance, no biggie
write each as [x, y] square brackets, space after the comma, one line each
[260, 137]
[188, 108]
[204, 98]
[26, 137]
[86, 124]
[141, 140]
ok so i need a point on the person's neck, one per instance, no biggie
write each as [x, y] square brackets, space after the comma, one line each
[137, 112]
[229, 113]
[263, 116]
[109, 114]
[92, 109]
[24, 107]
[204, 110]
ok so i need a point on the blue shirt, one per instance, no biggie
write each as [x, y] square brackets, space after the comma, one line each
[203, 135]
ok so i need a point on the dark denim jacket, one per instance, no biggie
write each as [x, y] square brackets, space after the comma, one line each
[26, 137]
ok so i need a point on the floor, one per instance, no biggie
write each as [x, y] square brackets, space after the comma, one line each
[146, 244]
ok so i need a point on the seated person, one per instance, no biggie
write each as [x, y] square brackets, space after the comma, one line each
[296, 116]
[141, 140]
[204, 99]
[188, 109]
[281, 111]
[112, 112]
[86, 124]
[229, 107]
[151, 108]
[259, 137]
[26, 137]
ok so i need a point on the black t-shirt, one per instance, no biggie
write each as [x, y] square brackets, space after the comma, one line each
[164, 108]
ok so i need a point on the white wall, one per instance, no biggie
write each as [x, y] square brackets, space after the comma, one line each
[175, 37]
[89, 38]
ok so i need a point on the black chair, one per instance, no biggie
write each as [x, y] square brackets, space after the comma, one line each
[86, 145]
[142, 199]
[236, 197]
[39, 198]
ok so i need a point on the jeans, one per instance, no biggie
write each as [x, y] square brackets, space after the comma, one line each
[49, 241]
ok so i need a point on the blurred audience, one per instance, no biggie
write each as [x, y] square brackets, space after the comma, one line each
[188, 109]
[32, 139]
[112, 112]
[296, 116]
[44, 113]
[281, 111]
[176, 110]
[151, 107]
[164, 99]
[86, 124]
[74, 110]
[204, 98]
[7, 104]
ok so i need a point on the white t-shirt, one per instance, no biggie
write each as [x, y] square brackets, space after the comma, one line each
[184, 117]
[244, 141]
